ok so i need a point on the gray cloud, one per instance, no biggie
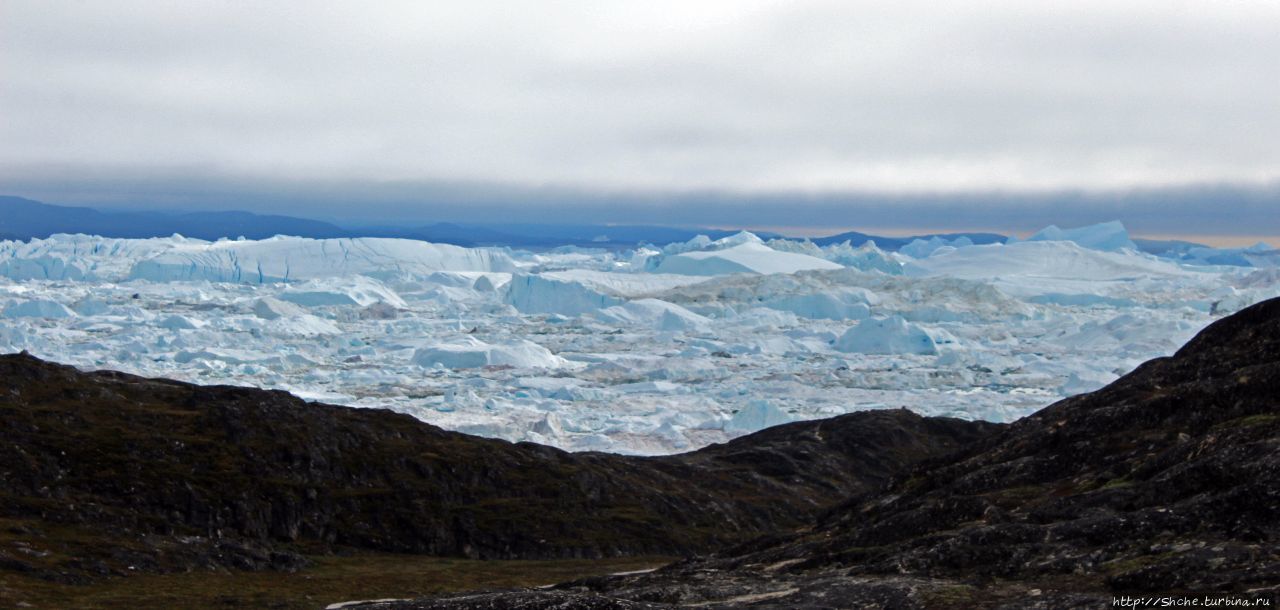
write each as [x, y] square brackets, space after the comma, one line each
[603, 100]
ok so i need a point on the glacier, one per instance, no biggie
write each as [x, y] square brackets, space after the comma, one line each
[651, 350]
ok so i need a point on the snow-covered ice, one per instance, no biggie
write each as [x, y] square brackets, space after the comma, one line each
[469, 352]
[659, 349]
[892, 335]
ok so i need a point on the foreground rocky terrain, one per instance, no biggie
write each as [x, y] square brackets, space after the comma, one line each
[170, 476]
[1166, 482]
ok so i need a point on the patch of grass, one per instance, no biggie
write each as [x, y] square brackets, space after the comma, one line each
[1014, 497]
[331, 579]
[951, 596]
[914, 483]
[1263, 419]
[1129, 564]
[1117, 483]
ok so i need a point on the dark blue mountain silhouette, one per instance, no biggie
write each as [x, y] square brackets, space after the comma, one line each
[24, 219]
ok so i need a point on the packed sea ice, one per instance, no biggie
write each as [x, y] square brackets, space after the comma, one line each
[654, 350]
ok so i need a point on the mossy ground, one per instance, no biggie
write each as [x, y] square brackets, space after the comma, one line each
[330, 579]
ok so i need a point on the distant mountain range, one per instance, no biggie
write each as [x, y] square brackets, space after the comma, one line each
[609, 237]
[23, 219]
[26, 219]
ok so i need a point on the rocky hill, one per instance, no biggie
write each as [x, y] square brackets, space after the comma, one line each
[1166, 482]
[170, 476]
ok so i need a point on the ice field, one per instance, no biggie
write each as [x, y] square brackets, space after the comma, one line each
[653, 350]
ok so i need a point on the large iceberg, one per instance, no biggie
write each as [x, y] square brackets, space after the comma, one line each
[748, 257]
[919, 248]
[470, 352]
[544, 293]
[42, 267]
[357, 290]
[579, 292]
[656, 314]
[295, 258]
[271, 308]
[866, 257]
[1046, 267]
[1103, 236]
[838, 304]
[892, 335]
[39, 308]
[1258, 255]
[755, 416]
[78, 257]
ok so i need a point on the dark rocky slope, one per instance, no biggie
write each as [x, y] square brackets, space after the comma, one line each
[173, 476]
[1165, 482]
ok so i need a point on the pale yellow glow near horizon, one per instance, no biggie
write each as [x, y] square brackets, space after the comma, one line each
[1219, 241]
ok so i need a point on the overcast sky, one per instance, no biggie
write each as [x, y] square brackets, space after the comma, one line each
[791, 113]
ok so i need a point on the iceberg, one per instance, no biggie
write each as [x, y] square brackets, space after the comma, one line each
[279, 259]
[743, 252]
[892, 335]
[866, 257]
[919, 248]
[580, 291]
[76, 257]
[749, 257]
[1257, 255]
[357, 290]
[1103, 236]
[282, 259]
[41, 268]
[755, 416]
[656, 314]
[1025, 269]
[40, 308]
[177, 322]
[271, 308]
[305, 325]
[545, 293]
[90, 307]
[836, 305]
[470, 352]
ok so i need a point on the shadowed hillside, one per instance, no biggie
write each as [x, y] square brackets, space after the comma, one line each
[172, 476]
[1165, 482]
